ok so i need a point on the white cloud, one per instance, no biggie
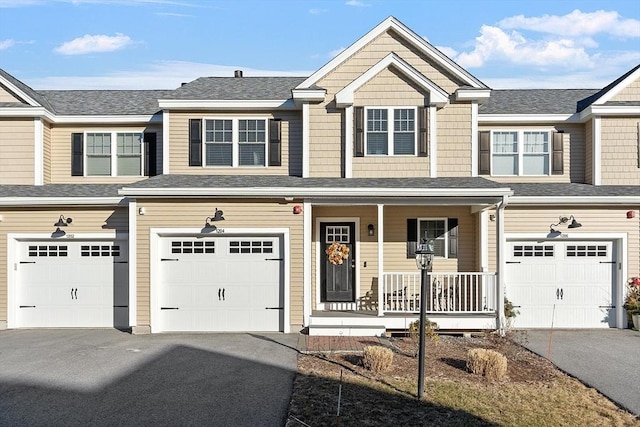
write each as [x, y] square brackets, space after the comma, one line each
[356, 3]
[93, 43]
[494, 44]
[576, 24]
[178, 15]
[450, 52]
[318, 11]
[160, 75]
[6, 44]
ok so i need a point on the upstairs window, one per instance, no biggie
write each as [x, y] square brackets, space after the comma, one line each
[398, 137]
[520, 152]
[100, 147]
[235, 142]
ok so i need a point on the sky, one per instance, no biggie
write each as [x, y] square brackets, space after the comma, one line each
[159, 44]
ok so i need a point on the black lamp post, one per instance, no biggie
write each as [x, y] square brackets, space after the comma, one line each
[424, 261]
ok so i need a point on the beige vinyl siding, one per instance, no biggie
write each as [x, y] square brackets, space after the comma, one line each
[17, 138]
[619, 151]
[46, 153]
[454, 140]
[61, 152]
[41, 220]
[607, 220]
[291, 144]
[191, 213]
[6, 96]
[588, 152]
[574, 154]
[629, 93]
[326, 132]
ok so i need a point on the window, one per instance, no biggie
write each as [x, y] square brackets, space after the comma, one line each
[520, 153]
[399, 139]
[101, 145]
[235, 142]
[435, 229]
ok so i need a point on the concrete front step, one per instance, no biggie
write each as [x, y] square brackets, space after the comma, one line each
[347, 330]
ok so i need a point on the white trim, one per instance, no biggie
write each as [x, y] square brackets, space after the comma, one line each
[380, 249]
[38, 201]
[433, 139]
[14, 239]
[484, 240]
[611, 110]
[348, 142]
[38, 152]
[437, 95]
[620, 242]
[306, 140]
[309, 95]
[521, 153]
[473, 95]
[474, 139]
[319, 253]
[307, 250]
[596, 156]
[617, 88]
[26, 112]
[527, 118]
[195, 104]
[574, 200]
[155, 234]
[422, 45]
[109, 119]
[501, 264]
[17, 92]
[133, 264]
[165, 142]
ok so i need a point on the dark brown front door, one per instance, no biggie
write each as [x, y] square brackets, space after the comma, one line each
[337, 271]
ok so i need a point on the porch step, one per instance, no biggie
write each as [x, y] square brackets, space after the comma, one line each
[347, 330]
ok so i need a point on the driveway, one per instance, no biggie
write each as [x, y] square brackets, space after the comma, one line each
[106, 377]
[605, 359]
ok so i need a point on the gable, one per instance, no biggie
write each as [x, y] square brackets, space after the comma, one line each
[8, 97]
[630, 93]
[390, 88]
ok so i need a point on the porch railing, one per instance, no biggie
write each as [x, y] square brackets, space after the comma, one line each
[446, 292]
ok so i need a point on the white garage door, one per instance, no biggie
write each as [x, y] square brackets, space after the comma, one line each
[72, 284]
[220, 283]
[568, 283]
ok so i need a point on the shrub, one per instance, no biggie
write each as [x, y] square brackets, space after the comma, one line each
[430, 330]
[377, 359]
[489, 363]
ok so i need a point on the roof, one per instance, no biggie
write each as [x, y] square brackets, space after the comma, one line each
[236, 88]
[60, 190]
[26, 89]
[599, 94]
[534, 101]
[104, 102]
[572, 190]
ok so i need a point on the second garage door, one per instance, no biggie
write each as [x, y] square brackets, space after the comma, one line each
[220, 283]
[565, 284]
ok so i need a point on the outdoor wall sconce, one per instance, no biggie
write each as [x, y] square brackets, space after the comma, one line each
[563, 220]
[217, 216]
[371, 229]
[63, 222]
[297, 209]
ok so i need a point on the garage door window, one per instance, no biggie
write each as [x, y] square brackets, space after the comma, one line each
[533, 250]
[586, 250]
[187, 247]
[48, 250]
[99, 250]
[250, 247]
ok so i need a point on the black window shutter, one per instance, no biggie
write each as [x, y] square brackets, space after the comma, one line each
[423, 137]
[150, 154]
[558, 154]
[195, 142]
[412, 237]
[484, 153]
[275, 142]
[77, 154]
[358, 131]
[452, 228]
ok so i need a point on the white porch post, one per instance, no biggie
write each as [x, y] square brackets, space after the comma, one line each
[348, 142]
[306, 263]
[380, 259]
[133, 264]
[500, 264]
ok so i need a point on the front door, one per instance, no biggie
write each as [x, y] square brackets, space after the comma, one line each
[337, 261]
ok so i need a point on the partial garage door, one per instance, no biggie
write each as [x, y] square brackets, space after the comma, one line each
[72, 284]
[221, 283]
[569, 284]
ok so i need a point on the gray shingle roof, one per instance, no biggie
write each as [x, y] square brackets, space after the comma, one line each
[237, 88]
[534, 101]
[600, 93]
[40, 99]
[104, 102]
[573, 190]
[60, 190]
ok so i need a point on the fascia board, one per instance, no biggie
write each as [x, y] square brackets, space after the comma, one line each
[528, 118]
[51, 201]
[25, 112]
[155, 118]
[413, 38]
[189, 104]
[438, 96]
[310, 95]
[617, 88]
[13, 88]
[574, 200]
[472, 94]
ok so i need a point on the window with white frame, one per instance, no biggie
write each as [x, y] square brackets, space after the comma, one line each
[397, 138]
[100, 149]
[521, 152]
[235, 142]
[436, 229]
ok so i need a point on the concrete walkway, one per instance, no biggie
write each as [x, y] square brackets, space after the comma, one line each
[605, 359]
[109, 378]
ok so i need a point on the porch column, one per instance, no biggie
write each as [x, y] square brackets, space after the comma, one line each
[380, 259]
[306, 263]
[500, 263]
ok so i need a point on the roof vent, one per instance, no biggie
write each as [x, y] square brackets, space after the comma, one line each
[237, 73]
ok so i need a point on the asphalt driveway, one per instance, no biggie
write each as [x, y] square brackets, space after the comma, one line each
[605, 359]
[107, 377]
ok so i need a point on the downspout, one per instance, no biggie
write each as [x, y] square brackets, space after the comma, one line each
[500, 264]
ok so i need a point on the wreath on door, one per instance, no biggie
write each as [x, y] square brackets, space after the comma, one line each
[337, 253]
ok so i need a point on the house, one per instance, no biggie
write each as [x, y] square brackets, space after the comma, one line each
[212, 207]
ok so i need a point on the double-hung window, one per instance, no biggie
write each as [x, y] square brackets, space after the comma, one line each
[235, 142]
[520, 153]
[435, 229]
[218, 142]
[398, 137]
[113, 154]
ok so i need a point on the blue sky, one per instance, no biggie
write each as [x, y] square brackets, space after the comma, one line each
[157, 44]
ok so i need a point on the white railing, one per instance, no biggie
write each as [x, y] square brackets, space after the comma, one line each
[446, 292]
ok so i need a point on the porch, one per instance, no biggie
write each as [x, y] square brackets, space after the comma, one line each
[456, 301]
